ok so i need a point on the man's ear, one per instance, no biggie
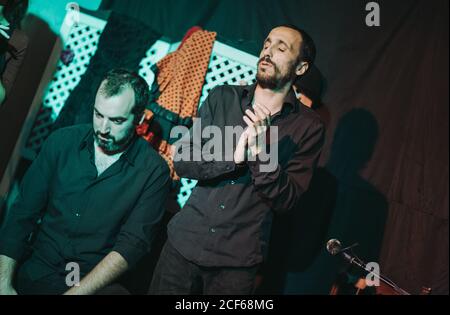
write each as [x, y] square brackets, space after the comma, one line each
[302, 68]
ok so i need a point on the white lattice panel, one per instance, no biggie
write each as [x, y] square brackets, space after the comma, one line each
[82, 38]
[227, 66]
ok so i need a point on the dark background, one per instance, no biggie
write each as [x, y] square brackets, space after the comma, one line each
[383, 177]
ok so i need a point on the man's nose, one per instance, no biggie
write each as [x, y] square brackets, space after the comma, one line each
[105, 126]
[267, 53]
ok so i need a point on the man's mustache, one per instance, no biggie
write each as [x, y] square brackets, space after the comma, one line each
[266, 59]
[104, 136]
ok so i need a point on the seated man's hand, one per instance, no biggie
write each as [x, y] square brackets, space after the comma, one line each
[7, 290]
[7, 267]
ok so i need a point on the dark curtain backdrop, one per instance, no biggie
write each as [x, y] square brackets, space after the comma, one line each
[384, 169]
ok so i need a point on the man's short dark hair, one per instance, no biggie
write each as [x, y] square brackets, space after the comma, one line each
[311, 84]
[116, 80]
[308, 48]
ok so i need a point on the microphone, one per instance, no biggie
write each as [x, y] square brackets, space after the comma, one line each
[334, 246]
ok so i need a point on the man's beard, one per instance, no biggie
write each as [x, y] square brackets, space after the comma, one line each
[275, 81]
[113, 146]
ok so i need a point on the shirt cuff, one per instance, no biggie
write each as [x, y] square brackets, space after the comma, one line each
[256, 167]
[131, 253]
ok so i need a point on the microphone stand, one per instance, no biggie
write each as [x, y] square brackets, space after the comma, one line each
[354, 260]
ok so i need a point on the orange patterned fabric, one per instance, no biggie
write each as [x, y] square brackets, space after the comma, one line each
[181, 74]
[180, 77]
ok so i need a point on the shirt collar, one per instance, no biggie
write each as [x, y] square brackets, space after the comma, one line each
[130, 153]
[291, 103]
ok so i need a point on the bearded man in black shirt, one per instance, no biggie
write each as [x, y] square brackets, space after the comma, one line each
[218, 240]
[98, 192]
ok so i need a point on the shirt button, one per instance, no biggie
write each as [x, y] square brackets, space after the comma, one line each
[222, 207]
[213, 230]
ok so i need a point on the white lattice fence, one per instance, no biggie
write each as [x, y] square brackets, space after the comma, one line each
[227, 66]
[82, 39]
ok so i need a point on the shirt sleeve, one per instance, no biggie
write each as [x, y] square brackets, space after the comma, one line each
[21, 219]
[139, 230]
[283, 187]
[191, 160]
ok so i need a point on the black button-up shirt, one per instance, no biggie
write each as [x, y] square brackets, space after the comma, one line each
[227, 219]
[85, 216]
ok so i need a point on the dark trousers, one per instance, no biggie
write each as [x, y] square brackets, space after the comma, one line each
[176, 275]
